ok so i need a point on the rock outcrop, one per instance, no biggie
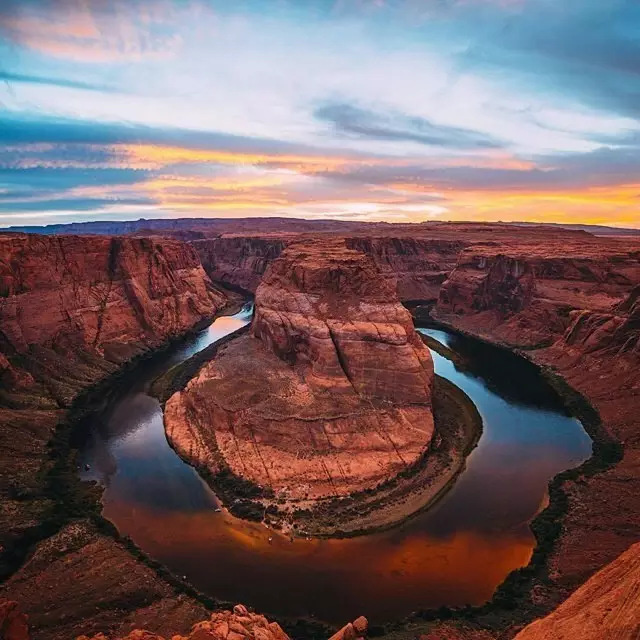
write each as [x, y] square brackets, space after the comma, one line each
[330, 395]
[417, 266]
[606, 606]
[80, 581]
[99, 293]
[327, 307]
[616, 333]
[13, 623]
[238, 624]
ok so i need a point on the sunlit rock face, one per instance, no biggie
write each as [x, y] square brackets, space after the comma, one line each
[327, 307]
[616, 333]
[606, 606]
[331, 392]
[418, 265]
[525, 294]
[100, 292]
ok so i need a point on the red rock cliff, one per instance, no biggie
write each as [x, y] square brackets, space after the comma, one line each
[324, 305]
[72, 309]
[99, 293]
[418, 266]
[606, 606]
[524, 293]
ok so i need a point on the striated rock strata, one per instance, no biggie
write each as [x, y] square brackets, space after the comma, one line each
[525, 293]
[80, 581]
[329, 395]
[237, 260]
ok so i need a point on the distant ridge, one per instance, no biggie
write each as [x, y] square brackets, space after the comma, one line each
[198, 226]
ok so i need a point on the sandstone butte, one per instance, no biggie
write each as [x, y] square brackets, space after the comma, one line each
[331, 392]
[569, 298]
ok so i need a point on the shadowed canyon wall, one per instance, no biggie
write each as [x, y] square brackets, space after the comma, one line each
[72, 310]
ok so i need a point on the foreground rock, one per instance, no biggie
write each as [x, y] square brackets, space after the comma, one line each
[221, 625]
[82, 582]
[606, 606]
[330, 395]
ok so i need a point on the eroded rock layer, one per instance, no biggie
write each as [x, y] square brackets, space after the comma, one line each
[330, 394]
[237, 260]
[525, 293]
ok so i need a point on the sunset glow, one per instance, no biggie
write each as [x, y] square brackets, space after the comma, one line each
[401, 111]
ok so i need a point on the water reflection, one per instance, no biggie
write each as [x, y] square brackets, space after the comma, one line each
[455, 553]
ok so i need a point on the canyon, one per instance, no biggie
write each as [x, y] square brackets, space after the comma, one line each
[74, 309]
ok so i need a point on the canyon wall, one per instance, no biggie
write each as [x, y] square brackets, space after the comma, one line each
[574, 307]
[524, 294]
[237, 260]
[72, 310]
[97, 293]
[417, 266]
[606, 606]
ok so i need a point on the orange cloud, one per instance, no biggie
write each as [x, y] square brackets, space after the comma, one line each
[153, 157]
[79, 31]
[592, 205]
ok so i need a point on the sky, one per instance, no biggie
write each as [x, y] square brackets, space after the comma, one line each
[395, 110]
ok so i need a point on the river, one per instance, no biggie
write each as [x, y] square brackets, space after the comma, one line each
[455, 553]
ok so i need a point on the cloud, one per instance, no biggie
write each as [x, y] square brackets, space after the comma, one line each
[483, 108]
[90, 31]
[165, 145]
[68, 204]
[581, 51]
[9, 78]
[364, 123]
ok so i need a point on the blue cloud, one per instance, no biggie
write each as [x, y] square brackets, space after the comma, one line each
[69, 204]
[585, 51]
[364, 123]
[25, 129]
[20, 78]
